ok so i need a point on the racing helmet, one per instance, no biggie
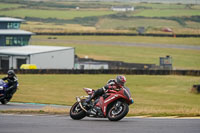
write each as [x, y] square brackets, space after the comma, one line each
[121, 80]
[11, 73]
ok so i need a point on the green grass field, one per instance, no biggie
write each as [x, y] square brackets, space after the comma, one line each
[193, 41]
[153, 95]
[182, 59]
[4, 6]
[161, 6]
[133, 23]
[59, 14]
[166, 13]
[51, 27]
[193, 24]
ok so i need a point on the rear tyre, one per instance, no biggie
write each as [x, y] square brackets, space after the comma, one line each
[117, 113]
[76, 112]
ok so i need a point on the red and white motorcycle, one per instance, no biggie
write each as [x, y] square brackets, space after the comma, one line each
[113, 105]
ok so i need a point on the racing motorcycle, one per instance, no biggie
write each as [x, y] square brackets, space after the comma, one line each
[113, 105]
[3, 98]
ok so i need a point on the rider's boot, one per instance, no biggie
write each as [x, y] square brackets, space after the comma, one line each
[98, 92]
[89, 99]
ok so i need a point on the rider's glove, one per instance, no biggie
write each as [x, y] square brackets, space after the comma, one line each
[106, 87]
[132, 101]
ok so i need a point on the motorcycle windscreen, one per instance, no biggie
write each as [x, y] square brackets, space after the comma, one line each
[88, 91]
[127, 93]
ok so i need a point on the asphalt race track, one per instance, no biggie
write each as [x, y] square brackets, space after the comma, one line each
[64, 124]
[15, 123]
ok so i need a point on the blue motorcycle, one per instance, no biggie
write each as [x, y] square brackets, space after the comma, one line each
[3, 98]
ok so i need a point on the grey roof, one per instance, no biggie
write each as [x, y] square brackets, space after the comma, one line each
[8, 19]
[31, 49]
[15, 32]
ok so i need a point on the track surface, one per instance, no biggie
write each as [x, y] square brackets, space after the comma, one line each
[59, 124]
[64, 124]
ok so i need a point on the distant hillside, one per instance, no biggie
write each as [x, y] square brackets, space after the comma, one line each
[149, 1]
[64, 16]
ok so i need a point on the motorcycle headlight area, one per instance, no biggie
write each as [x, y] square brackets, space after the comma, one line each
[1, 87]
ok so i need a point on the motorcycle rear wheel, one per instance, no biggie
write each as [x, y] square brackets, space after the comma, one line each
[119, 113]
[76, 112]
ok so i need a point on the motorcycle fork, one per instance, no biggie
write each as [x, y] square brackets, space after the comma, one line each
[78, 99]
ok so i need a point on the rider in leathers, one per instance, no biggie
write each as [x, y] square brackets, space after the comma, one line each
[12, 84]
[115, 84]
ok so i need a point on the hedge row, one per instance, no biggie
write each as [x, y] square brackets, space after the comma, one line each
[109, 71]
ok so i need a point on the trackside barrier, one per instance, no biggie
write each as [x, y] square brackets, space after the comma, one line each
[108, 71]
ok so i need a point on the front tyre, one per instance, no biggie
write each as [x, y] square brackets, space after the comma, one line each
[4, 101]
[76, 112]
[117, 113]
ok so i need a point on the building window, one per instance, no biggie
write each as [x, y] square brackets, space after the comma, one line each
[9, 41]
[17, 41]
[13, 25]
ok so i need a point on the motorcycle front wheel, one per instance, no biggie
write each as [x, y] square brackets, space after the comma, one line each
[117, 113]
[4, 101]
[76, 112]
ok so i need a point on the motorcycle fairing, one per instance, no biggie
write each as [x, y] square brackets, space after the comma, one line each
[113, 96]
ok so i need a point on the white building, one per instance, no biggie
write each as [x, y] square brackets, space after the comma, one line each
[91, 65]
[44, 57]
[122, 9]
